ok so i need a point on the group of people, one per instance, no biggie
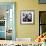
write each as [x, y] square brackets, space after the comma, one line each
[27, 17]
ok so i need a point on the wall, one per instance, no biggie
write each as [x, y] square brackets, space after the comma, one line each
[28, 31]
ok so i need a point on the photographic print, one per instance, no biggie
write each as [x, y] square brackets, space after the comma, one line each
[27, 17]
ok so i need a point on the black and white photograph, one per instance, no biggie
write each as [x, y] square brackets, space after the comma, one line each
[27, 17]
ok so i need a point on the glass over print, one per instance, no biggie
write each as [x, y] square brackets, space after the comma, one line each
[27, 17]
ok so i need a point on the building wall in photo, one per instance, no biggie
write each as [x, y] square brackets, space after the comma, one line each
[32, 30]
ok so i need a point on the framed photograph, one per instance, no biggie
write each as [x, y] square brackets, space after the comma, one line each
[27, 17]
[42, 1]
